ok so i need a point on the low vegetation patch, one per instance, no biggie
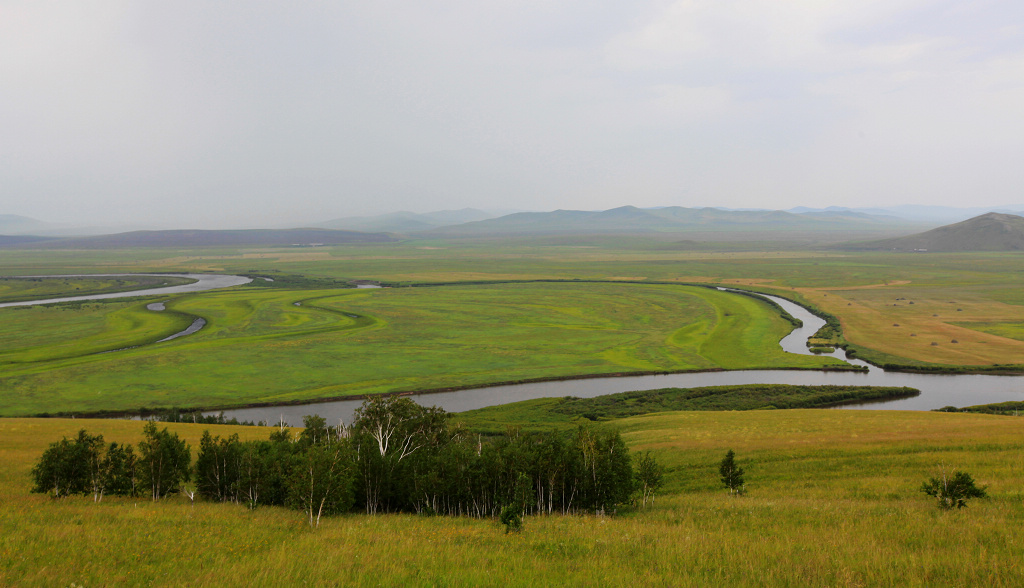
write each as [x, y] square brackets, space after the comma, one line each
[1010, 408]
[544, 413]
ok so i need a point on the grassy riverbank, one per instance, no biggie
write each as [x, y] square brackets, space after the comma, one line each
[832, 500]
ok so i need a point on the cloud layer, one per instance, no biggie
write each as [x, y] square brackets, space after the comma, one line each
[256, 113]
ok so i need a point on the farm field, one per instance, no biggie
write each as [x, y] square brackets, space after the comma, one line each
[832, 500]
[280, 345]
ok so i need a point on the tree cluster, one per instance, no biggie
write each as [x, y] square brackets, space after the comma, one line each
[396, 456]
[87, 465]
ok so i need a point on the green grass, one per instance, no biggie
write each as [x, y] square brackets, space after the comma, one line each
[1010, 330]
[30, 335]
[258, 346]
[832, 500]
[543, 414]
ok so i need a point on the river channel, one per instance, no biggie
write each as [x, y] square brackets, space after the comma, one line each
[202, 282]
[937, 390]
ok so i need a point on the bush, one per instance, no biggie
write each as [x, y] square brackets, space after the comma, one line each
[953, 491]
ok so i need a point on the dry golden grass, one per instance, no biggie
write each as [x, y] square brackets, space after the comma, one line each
[832, 501]
[904, 321]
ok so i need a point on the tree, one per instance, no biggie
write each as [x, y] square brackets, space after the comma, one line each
[953, 491]
[732, 475]
[61, 471]
[217, 467]
[321, 481]
[385, 433]
[164, 461]
[120, 470]
[650, 477]
[91, 450]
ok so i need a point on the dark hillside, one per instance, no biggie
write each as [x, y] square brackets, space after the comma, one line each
[989, 232]
[7, 240]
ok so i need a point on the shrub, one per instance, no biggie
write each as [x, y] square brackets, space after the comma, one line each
[953, 491]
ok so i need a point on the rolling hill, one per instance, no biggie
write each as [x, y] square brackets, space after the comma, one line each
[989, 232]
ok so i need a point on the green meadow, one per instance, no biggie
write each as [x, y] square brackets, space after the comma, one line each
[941, 311]
[282, 345]
[832, 500]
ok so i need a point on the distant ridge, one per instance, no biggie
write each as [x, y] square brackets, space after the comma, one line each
[405, 222]
[201, 238]
[989, 232]
[20, 239]
[672, 219]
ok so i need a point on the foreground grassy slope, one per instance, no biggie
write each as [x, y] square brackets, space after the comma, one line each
[285, 345]
[832, 501]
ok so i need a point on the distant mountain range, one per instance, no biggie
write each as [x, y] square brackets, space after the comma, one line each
[407, 222]
[989, 232]
[186, 238]
[672, 223]
[672, 219]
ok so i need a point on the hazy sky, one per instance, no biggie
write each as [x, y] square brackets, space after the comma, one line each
[199, 113]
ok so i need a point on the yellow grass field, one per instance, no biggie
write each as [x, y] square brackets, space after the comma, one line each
[832, 500]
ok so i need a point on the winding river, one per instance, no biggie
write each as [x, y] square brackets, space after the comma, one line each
[202, 282]
[937, 390]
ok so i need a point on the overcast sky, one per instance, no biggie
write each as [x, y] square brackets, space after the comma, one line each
[230, 114]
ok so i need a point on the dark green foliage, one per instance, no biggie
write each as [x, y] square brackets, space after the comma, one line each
[218, 467]
[86, 465]
[121, 471]
[164, 461]
[61, 470]
[731, 474]
[386, 433]
[953, 491]
[1009, 408]
[740, 397]
[512, 513]
[397, 457]
[321, 481]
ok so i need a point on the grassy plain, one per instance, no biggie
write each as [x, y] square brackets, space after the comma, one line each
[280, 345]
[832, 501]
[258, 347]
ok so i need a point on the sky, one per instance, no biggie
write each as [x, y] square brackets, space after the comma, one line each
[198, 114]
